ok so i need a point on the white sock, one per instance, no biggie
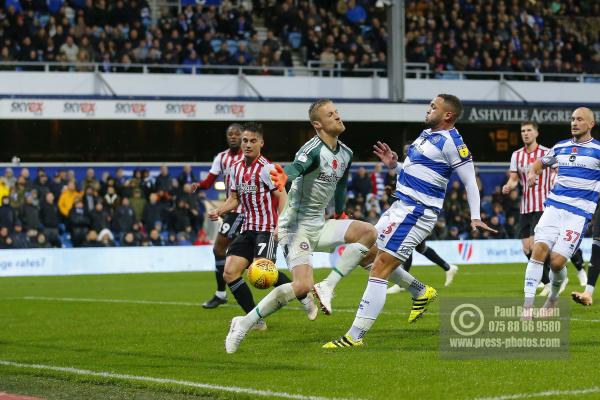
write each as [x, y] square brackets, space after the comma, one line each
[556, 279]
[533, 276]
[369, 308]
[403, 279]
[221, 294]
[351, 257]
[589, 289]
[276, 299]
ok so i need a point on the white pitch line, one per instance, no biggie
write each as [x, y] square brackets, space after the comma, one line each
[548, 393]
[233, 389]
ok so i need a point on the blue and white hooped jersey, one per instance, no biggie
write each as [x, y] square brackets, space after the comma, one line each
[577, 185]
[427, 168]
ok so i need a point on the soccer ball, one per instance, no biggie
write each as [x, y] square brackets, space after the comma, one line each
[263, 273]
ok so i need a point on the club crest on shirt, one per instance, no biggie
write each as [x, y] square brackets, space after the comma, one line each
[573, 154]
[463, 151]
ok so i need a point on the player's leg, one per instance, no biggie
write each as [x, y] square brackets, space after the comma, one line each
[577, 260]
[547, 231]
[586, 297]
[239, 257]
[434, 257]
[219, 251]
[266, 247]
[400, 229]
[230, 228]
[572, 228]
[360, 237]
[298, 253]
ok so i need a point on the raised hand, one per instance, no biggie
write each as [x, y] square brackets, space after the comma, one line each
[386, 155]
[279, 177]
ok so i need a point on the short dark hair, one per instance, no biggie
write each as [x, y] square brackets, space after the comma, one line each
[532, 123]
[453, 103]
[253, 127]
[314, 107]
[235, 126]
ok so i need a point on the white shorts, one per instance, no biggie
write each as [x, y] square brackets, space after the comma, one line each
[298, 245]
[402, 227]
[561, 230]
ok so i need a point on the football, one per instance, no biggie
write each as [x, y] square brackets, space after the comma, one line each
[262, 273]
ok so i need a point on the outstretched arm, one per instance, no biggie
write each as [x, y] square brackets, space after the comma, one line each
[230, 204]
[466, 173]
[386, 155]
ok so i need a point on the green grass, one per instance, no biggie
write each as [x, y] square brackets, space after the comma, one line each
[185, 342]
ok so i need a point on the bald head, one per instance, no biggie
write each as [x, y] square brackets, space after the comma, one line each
[582, 122]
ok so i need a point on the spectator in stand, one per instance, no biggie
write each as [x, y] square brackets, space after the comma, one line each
[90, 179]
[164, 181]
[69, 49]
[111, 198]
[123, 218]
[152, 213]
[138, 203]
[6, 241]
[99, 218]
[186, 176]
[41, 242]
[50, 219]
[29, 213]
[180, 218]
[19, 237]
[155, 238]
[378, 181]
[129, 240]
[8, 215]
[90, 198]
[91, 239]
[361, 183]
[67, 198]
[79, 223]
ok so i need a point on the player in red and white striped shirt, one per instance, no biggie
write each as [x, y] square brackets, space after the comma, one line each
[252, 188]
[232, 221]
[533, 197]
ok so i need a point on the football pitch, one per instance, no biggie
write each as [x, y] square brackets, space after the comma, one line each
[144, 336]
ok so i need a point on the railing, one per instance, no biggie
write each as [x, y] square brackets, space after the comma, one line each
[314, 68]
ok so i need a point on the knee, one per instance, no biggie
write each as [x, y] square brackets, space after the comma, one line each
[229, 275]
[557, 262]
[361, 232]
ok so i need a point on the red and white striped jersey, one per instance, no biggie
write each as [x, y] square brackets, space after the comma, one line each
[254, 188]
[222, 165]
[533, 198]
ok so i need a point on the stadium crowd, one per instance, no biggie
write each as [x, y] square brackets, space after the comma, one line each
[142, 210]
[451, 35]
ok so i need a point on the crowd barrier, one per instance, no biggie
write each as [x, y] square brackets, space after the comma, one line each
[113, 260]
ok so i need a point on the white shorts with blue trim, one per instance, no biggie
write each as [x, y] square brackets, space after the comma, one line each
[561, 230]
[402, 227]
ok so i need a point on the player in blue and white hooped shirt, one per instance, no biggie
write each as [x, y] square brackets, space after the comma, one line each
[421, 188]
[568, 209]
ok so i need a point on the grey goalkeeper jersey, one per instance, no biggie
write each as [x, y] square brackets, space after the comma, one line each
[316, 175]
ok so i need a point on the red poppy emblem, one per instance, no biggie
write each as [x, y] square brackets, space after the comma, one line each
[247, 177]
[574, 150]
[334, 164]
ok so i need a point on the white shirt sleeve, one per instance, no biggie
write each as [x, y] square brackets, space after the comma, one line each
[456, 151]
[513, 162]
[215, 168]
[231, 177]
[466, 173]
[265, 176]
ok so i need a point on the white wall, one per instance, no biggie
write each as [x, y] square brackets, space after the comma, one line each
[37, 262]
[173, 85]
